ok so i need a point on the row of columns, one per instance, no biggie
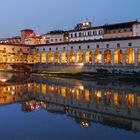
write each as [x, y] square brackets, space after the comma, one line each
[136, 61]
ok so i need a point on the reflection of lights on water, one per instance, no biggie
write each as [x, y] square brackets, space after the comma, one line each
[3, 80]
[4, 89]
[8, 88]
[81, 64]
[13, 88]
[98, 94]
[86, 124]
[73, 91]
[52, 88]
[81, 87]
[13, 92]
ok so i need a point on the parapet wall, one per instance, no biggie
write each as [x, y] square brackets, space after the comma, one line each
[84, 68]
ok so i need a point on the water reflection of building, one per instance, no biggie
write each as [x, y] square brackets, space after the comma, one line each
[110, 104]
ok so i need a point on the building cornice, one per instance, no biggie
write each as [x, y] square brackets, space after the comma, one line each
[90, 41]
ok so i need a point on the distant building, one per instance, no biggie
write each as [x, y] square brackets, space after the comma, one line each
[12, 40]
[53, 37]
[85, 31]
[126, 29]
[29, 37]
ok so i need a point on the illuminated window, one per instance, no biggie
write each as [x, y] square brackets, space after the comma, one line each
[64, 57]
[130, 55]
[139, 56]
[108, 56]
[88, 56]
[50, 57]
[37, 58]
[44, 57]
[57, 57]
[80, 56]
[118, 56]
[97, 57]
[72, 56]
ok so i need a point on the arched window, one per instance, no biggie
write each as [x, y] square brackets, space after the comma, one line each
[139, 56]
[88, 56]
[44, 57]
[97, 57]
[37, 58]
[50, 57]
[72, 56]
[118, 56]
[130, 55]
[107, 56]
[80, 56]
[64, 57]
[57, 57]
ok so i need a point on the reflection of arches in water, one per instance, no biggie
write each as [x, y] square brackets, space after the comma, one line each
[97, 96]
[87, 95]
[138, 101]
[64, 91]
[79, 95]
[117, 99]
[129, 100]
[72, 93]
[107, 97]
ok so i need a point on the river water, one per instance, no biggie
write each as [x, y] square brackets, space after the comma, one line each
[45, 108]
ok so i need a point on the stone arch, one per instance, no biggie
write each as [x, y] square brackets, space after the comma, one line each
[50, 57]
[98, 57]
[57, 57]
[88, 56]
[80, 56]
[64, 58]
[139, 56]
[130, 56]
[118, 56]
[72, 56]
[107, 56]
[37, 57]
[44, 59]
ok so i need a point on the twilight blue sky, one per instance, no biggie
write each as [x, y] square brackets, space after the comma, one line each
[46, 15]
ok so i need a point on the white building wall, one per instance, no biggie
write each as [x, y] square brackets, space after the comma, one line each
[86, 35]
[136, 29]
